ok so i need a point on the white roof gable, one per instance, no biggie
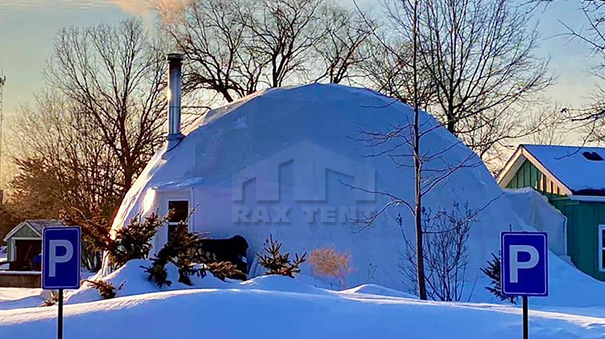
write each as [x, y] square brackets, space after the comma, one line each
[573, 167]
[36, 225]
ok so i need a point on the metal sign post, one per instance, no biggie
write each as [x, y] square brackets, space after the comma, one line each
[60, 316]
[525, 318]
[524, 270]
[61, 264]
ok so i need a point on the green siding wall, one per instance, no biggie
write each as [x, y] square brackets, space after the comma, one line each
[583, 218]
[587, 238]
[529, 175]
[576, 241]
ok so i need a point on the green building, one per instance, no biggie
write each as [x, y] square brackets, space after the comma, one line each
[24, 242]
[573, 180]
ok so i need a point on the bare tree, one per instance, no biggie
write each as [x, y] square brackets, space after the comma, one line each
[212, 36]
[590, 119]
[404, 142]
[83, 142]
[283, 34]
[237, 47]
[342, 49]
[61, 167]
[388, 71]
[480, 57]
[593, 32]
[420, 273]
[114, 75]
[60, 161]
[553, 125]
[446, 233]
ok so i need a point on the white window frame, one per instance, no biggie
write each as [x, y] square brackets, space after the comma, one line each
[168, 201]
[601, 248]
[163, 198]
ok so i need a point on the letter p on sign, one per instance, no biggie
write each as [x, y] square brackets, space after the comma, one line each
[524, 261]
[54, 258]
[61, 258]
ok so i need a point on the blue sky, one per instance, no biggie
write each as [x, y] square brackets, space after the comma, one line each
[27, 28]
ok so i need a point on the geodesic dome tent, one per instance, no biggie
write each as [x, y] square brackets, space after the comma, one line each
[295, 163]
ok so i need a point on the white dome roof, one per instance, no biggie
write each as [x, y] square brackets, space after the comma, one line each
[293, 154]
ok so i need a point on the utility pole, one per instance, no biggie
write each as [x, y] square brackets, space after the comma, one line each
[2, 82]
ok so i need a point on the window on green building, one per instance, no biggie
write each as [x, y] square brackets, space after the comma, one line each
[601, 252]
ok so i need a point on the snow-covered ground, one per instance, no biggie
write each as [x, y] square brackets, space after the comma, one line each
[289, 312]
[11, 298]
[278, 307]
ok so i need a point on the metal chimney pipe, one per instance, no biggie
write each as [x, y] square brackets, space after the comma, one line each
[175, 61]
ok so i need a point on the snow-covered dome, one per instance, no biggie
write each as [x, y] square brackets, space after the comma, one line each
[287, 162]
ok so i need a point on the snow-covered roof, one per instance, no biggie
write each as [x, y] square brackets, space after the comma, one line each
[578, 169]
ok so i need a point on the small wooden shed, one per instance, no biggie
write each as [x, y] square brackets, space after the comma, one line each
[24, 243]
[573, 180]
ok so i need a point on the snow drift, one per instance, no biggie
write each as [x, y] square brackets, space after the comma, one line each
[534, 208]
[275, 306]
[279, 312]
[282, 162]
[131, 280]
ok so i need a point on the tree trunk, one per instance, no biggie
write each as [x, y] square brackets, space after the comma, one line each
[418, 221]
[417, 167]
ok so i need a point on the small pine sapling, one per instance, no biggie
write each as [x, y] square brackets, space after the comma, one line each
[279, 264]
[157, 272]
[106, 289]
[134, 241]
[225, 269]
[492, 271]
[185, 251]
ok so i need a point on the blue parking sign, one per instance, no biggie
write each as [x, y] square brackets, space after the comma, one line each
[524, 259]
[61, 258]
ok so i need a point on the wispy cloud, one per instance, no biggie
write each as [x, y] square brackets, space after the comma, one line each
[54, 4]
[143, 7]
[139, 7]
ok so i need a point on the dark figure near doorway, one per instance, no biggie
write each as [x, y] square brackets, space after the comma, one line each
[233, 250]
